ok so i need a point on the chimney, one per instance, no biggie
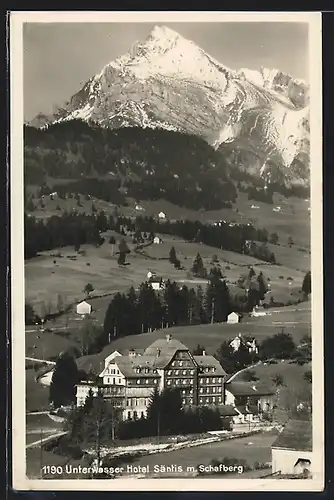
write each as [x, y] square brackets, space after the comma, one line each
[132, 353]
[203, 353]
[168, 337]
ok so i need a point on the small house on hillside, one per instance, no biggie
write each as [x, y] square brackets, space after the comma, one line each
[233, 317]
[157, 240]
[156, 283]
[251, 400]
[151, 274]
[84, 308]
[161, 215]
[292, 450]
[139, 208]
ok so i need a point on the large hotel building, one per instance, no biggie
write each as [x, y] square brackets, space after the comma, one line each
[128, 380]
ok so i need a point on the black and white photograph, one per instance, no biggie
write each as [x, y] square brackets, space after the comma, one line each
[166, 198]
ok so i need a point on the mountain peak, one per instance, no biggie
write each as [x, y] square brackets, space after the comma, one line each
[163, 32]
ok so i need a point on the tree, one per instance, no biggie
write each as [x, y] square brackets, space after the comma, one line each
[64, 379]
[263, 287]
[88, 289]
[279, 346]
[306, 286]
[250, 376]
[97, 421]
[251, 273]
[30, 315]
[172, 256]
[273, 238]
[60, 303]
[308, 376]
[278, 380]
[198, 268]
[90, 337]
[198, 351]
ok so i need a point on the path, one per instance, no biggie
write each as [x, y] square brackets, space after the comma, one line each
[48, 438]
[41, 361]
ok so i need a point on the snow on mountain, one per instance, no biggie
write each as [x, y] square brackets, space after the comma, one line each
[167, 81]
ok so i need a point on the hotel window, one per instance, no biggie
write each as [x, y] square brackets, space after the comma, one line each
[135, 415]
[207, 369]
[184, 372]
[191, 401]
[147, 370]
[219, 380]
[113, 380]
[138, 380]
[191, 391]
[192, 372]
[177, 372]
[213, 389]
[184, 381]
[201, 381]
[201, 390]
[177, 381]
[208, 389]
[183, 391]
[208, 381]
[181, 363]
[213, 380]
[183, 401]
[220, 400]
[142, 415]
[201, 400]
[219, 389]
[117, 371]
[137, 370]
[154, 371]
[213, 369]
[169, 382]
[147, 381]
[112, 371]
[207, 400]
[173, 363]
[129, 415]
[169, 372]
[155, 381]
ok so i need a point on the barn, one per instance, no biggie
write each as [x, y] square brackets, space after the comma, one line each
[84, 308]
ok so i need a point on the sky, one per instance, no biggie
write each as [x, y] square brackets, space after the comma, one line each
[59, 58]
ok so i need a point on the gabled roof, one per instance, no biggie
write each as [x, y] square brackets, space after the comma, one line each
[227, 410]
[129, 366]
[209, 362]
[166, 347]
[250, 389]
[296, 435]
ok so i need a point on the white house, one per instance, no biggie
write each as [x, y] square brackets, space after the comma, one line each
[162, 215]
[150, 275]
[157, 240]
[255, 206]
[139, 208]
[84, 308]
[236, 342]
[233, 317]
[292, 450]
[157, 283]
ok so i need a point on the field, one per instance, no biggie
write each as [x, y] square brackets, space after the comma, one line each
[47, 276]
[293, 219]
[256, 448]
[37, 395]
[210, 336]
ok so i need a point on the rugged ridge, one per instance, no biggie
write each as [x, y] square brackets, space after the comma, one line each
[260, 117]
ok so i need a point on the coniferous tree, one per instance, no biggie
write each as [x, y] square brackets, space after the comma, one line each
[263, 288]
[306, 286]
[198, 267]
[64, 380]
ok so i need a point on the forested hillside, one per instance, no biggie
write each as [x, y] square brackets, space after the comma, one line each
[141, 163]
